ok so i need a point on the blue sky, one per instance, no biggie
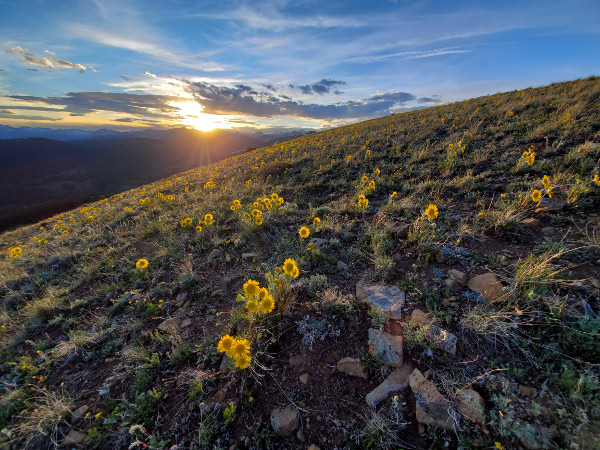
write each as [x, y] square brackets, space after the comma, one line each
[276, 64]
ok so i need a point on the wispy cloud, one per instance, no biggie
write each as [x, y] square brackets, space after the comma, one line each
[43, 61]
[408, 55]
[146, 47]
[269, 18]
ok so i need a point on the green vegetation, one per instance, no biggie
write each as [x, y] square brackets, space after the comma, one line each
[133, 306]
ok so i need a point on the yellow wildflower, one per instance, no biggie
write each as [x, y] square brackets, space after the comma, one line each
[252, 306]
[208, 219]
[226, 344]
[251, 288]
[240, 348]
[431, 212]
[316, 221]
[267, 304]
[546, 181]
[142, 263]
[536, 195]
[304, 232]
[242, 362]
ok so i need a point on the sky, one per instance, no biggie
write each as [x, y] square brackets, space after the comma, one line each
[278, 64]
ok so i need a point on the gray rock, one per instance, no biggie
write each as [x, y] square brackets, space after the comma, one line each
[170, 325]
[185, 323]
[389, 298]
[396, 381]
[284, 420]
[432, 407]
[386, 347]
[549, 205]
[249, 255]
[457, 275]
[73, 438]
[342, 265]
[401, 229]
[79, 413]
[352, 367]
[318, 241]
[549, 231]
[214, 254]
[443, 339]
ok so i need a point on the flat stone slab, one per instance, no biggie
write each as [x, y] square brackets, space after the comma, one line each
[386, 347]
[390, 299]
[396, 381]
[432, 407]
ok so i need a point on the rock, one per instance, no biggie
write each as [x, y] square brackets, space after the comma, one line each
[247, 442]
[303, 378]
[225, 366]
[181, 298]
[449, 300]
[318, 241]
[352, 367]
[185, 323]
[453, 284]
[314, 447]
[389, 298]
[249, 255]
[214, 254]
[471, 405]
[549, 205]
[79, 413]
[594, 282]
[443, 339]
[284, 420]
[396, 381]
[419, 316]
[549, 231]
[530, 223]
[439, 257]
[594, 219]
[342, 265]
[432, 407]
[400, 229]
[170, 325]
[488, 285]
[528, 391]
[73, 438]
[457, 275]
[386, 347]
[421, 428]
[300, 435]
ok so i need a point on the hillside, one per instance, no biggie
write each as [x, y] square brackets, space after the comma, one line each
[431, 281]
[42, 177]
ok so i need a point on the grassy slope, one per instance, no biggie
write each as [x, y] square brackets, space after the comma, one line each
[75, 310]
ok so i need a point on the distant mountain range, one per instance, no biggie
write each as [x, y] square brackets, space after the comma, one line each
[40, 176]
[74, 134]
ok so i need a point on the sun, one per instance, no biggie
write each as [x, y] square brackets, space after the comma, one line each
[192, 115]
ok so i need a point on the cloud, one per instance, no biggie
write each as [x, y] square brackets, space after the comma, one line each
[81, 103]
[146, 47]
[6, 114]
[429, 100]
[407, 55]
[243, 100]
[321, 87]
[150, 74]
[271, 20]
[43, 61]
